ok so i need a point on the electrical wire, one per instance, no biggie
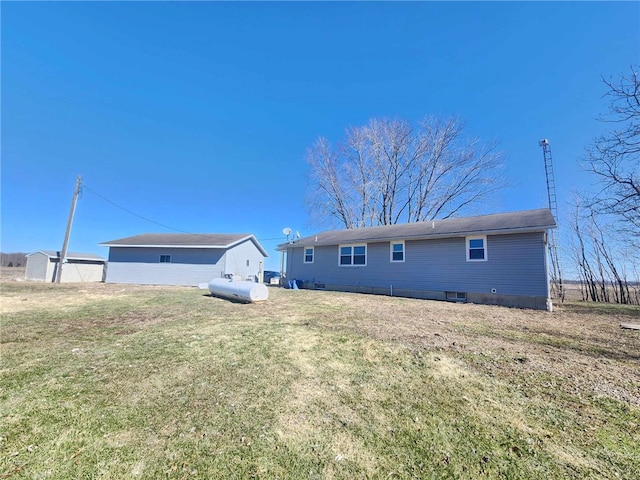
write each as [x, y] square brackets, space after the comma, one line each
[84, 187]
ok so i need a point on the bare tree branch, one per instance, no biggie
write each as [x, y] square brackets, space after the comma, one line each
[389, 172]
[614, 157]
[600, 260]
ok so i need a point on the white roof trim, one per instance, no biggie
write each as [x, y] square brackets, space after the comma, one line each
[71, 256]
[217, 247]
[117, 245]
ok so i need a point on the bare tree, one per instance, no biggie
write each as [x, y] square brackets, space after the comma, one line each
[579, 250]
[615, 157]
[389, 172]
[600, 261]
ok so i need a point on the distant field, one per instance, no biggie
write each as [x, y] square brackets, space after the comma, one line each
[115, 381]
[573, 292]
[12, 273]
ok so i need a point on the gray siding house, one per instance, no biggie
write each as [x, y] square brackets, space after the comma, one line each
[494, 259]
[183, 259]
[78, 267]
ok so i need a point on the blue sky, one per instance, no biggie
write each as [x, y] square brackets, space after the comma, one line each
[198, 115]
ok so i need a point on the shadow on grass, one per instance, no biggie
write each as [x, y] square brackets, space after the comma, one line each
[619, 346]
[231, 300]
[607, 309]
[590, 350]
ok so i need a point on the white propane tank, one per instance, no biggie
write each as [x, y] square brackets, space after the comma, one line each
[243, 291]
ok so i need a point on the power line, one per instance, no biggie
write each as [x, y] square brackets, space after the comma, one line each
[84, 187]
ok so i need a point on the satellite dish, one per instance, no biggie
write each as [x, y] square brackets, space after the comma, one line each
[297, 234]
[286, 231]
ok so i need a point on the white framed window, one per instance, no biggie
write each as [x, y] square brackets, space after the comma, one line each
[477, 248]
[353, 255]
[397, 251]
[308, 255]
[165, 258]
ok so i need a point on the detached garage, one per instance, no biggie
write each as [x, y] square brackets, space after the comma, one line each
[184, 258]
[78, 267]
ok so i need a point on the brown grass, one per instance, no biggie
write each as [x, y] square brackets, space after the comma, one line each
[577, 343]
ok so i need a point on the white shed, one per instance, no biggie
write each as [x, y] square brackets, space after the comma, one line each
[78, 267]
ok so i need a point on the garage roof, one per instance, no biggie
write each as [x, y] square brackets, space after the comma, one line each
[72, 255]
[185, 240]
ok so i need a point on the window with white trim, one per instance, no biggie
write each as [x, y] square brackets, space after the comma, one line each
[308, 255]
[397, 251]
[165, 258]
[477, 249]
[353, 255]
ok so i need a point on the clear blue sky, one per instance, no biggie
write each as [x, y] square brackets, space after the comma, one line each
[198, 115]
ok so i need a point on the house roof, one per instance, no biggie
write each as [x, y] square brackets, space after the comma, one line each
[185, 240]
[513, 222]
[71, 255]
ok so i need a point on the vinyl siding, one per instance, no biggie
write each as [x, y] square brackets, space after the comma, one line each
[515, 266]
[236, 260]
[189, 266]
[142, 266]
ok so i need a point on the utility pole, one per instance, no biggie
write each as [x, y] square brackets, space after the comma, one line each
[65, 245]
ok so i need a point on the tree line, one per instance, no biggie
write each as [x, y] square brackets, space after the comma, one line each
[17, 259]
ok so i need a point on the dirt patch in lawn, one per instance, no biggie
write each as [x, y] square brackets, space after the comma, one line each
[576, 346]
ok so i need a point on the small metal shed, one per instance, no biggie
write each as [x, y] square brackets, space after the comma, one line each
[78, 267]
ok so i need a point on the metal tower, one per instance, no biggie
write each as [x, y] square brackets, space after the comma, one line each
[557, 287]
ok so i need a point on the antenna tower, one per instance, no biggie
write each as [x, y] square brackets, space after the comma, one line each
[557, 288]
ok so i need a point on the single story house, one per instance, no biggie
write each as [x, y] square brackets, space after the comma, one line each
[78, 267]
[494, 259]
[183, 258]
